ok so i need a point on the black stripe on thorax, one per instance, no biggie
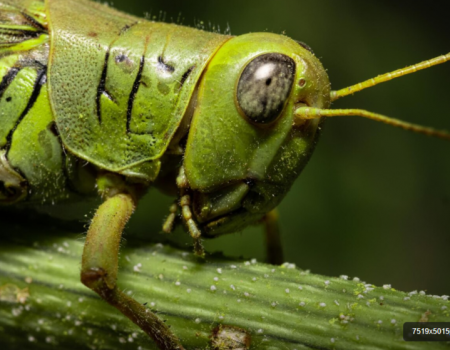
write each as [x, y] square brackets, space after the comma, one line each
[185, 76]
[7, 79]
[41, 79]
[126, 27]
[101, 87]
[134, 90]
[23, 32]
[162, 65]
[33, 22]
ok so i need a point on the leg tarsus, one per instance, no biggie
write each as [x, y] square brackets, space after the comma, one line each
[169, 223]
[186, 213]
[198, 248]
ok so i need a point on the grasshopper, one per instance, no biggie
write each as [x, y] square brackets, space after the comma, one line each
[95, 100]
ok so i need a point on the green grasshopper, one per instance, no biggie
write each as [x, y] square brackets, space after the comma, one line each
[94, 100]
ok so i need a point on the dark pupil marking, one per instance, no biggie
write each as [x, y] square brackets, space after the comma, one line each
[264, 86]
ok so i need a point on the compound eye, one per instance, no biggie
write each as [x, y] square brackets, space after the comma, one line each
[264, 86]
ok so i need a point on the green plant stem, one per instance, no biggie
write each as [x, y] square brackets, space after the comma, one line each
[281, 307]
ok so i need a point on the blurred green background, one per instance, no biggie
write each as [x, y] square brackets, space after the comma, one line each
[374, 201]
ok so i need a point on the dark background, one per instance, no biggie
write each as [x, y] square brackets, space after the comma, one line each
[374, 201]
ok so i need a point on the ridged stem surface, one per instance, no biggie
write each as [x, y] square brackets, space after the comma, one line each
[43, 304]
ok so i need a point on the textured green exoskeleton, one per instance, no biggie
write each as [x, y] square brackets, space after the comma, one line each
[94, 98]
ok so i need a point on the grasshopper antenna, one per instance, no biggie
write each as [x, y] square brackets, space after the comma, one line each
[311, 113]
[388, 76]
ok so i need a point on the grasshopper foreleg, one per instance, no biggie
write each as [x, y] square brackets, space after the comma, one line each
[100, 266]
[169, 223]
[186, 214]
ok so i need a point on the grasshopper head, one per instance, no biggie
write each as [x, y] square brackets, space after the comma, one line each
[245, 148]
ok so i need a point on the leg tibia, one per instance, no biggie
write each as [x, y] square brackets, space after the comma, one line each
[100, 265]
